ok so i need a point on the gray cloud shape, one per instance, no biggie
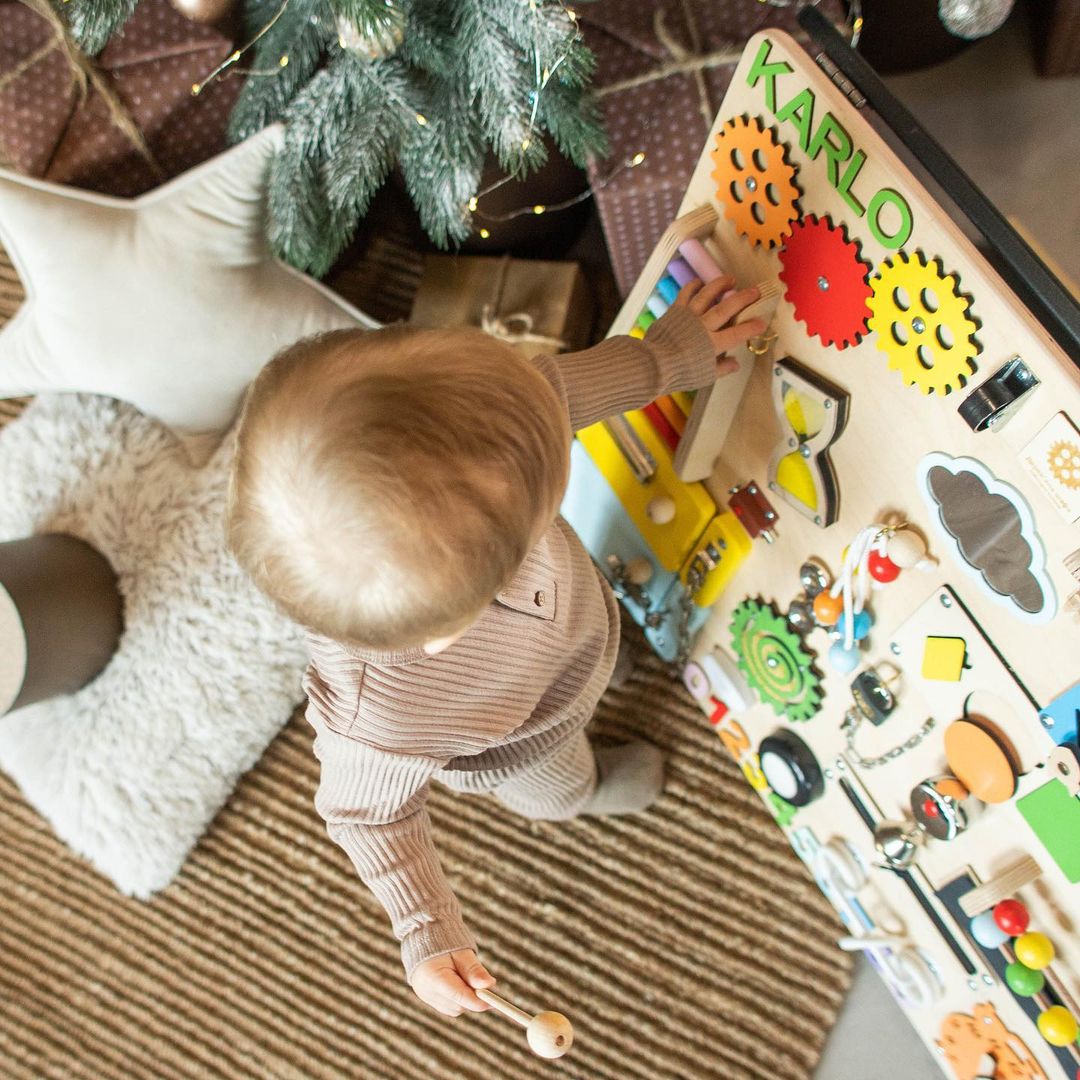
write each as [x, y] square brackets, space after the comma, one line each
[989, 533]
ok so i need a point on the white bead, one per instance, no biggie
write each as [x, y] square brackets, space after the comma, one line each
[906, 549]
[661, 510]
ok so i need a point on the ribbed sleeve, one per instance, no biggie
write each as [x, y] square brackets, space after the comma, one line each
[375, 806]
[625, 373]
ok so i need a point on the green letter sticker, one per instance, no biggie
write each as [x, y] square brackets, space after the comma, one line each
[760, 68]
[873, 216]
[836, 153]
[800, 111]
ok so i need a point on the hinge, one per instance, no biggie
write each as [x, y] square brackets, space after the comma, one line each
[847, 88]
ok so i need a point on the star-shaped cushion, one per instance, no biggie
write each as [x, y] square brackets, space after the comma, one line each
[171, 301]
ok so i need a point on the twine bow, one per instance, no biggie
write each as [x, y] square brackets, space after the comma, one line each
[86, 76]
[691, 61]
[516, 328]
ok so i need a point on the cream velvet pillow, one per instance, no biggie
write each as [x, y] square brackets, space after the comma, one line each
[170, 301]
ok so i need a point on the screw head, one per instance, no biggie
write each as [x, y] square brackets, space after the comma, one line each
[894, 649]
[823, 283]
[946, 600]
[918, 325]
[751, 184]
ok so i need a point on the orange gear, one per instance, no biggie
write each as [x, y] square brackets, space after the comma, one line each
[754, 181]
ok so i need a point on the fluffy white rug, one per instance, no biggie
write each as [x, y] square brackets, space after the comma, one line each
[131, 769]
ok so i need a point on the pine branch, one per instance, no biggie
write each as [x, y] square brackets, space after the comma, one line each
[93, 22]
[344, 132]
[442, 162]
[300, 33]
[574, 121]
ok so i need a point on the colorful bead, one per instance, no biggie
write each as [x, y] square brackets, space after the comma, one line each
[881, 567]
[844, 660]
[827, 608]
[1022, 981]
[987, 932]
[1058, 1026]
[1012, 917]
[861, 624]
[1034, 949]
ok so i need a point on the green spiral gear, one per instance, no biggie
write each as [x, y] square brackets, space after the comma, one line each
[775, 661]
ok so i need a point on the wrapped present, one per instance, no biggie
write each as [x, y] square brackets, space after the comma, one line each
[539, 307]
[662, 71]
[122, 122]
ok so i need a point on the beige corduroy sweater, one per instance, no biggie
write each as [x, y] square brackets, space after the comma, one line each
[506, 696]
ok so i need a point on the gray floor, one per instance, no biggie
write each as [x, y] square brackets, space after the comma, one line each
[1018, 137]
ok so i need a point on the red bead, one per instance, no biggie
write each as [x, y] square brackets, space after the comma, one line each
[1012, 917]
[881, 567]
[930, 808]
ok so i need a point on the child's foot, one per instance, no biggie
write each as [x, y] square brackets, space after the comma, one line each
[630, 778]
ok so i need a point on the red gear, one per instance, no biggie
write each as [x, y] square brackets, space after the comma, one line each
[826, 281]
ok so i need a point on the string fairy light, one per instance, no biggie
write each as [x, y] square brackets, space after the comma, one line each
[551, 208]
[234, 57]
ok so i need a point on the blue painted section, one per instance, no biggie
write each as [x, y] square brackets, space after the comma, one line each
[668, 288]
[1061, 717]
[605, 528]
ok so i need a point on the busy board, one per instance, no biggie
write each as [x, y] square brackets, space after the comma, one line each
[861, 553]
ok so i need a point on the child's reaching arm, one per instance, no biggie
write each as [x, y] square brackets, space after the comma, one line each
[375, 806]
[683, 350]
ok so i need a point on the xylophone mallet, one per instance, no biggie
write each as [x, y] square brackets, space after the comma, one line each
[550, 1034]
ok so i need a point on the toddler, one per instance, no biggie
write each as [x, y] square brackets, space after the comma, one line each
[397, 493]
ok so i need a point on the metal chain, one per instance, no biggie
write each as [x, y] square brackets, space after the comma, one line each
[853, 720]
[702, 563]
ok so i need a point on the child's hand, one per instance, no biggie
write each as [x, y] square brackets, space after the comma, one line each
[717, 304]
[447, 982]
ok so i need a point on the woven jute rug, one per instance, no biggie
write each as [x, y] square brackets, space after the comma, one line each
[687, 942]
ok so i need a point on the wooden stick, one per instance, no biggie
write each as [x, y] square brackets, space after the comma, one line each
[505, 1007]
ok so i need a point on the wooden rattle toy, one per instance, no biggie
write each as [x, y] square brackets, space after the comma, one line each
[550, 1034]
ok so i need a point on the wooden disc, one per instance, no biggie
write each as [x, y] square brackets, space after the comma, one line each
[980, 761]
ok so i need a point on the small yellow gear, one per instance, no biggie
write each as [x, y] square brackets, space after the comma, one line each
[922, 324]
[1064, 461]
[754, 181]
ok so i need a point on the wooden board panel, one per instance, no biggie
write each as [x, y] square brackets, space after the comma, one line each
[891, 428]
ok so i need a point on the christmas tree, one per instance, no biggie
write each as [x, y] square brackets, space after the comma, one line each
[364, 86]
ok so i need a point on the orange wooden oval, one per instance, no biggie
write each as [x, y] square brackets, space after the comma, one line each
[980, 762]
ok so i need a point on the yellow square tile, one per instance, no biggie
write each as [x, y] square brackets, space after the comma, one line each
[943, 658]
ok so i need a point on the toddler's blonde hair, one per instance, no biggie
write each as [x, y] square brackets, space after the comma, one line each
[388, 484]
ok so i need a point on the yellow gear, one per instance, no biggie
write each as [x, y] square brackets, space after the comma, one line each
[754, 181]
[922, 324]
[1064, 461]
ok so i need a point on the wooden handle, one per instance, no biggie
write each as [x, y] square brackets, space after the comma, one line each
[519, 1016]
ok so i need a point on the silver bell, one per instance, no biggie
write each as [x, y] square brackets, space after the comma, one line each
[897, 843]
